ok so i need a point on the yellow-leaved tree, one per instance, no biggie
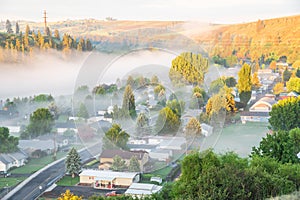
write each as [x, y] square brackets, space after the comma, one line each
[68, 195]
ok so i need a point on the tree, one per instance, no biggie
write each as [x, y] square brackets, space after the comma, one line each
[298, 72]
[73, 162]
[8, 27]
[278, 88]
[286, 75]
[293, 85]
[283, 146]
[134, 165]
[285, 114]
[244, 84]
[41, 122]
[43, 98]
[216, 85]
[8, 143]
[158, 89]
[176, 106]
[230, 81]
[154, 79]
[17, 28]
[69, 196]
[83, 112]
[129, 102]
[193, 127]
[118, 163]
[89, 46]
[167, 121]
[56, 34]
[255, 81]
[273, 65]
[117, 136]
[296, 64]
[188, 68]
[142, 124]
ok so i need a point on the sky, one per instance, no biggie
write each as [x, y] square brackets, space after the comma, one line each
[214, 11]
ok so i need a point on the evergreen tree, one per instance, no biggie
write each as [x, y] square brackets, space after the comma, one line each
[17, 28]
[83, 112]
[56, 34]
[142, 124]
[129, 102]
[48, 32]
[8, 143]
[118, 164]
[134, 165]
[8, 27]
[73, 162]
[286, 75]
[88, 45]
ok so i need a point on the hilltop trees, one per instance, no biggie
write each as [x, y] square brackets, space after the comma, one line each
[8, 143]
[285, 114]
[41, 122]
[188, 68]
[244, 84]
[73, 162]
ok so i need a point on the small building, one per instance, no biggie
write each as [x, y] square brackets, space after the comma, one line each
[9, 160]
[142, 189]
[107, 156]
[206, 129]
[108, 179]
[63, 127]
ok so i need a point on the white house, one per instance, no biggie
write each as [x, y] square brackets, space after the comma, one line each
[206, 129]
[161, 154]
[9, 160]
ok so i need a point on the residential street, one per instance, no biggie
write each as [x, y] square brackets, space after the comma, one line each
[46, 178]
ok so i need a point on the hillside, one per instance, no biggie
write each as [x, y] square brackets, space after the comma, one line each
[263, 40]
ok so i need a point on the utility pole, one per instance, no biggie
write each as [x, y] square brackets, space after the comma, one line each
[45, 22]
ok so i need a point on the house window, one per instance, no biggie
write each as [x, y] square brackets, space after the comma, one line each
[91, 177]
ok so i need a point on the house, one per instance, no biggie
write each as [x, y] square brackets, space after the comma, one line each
[106, 158]
[206, 129]
[108, 179]
[259, 112]
[63, 127]
[285, 95]
[161, 154]
[32, 147]
[171, 143]
[142, 189]
[9, 160]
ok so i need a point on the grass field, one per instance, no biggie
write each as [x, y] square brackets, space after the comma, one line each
[4, 182]
[68, 181]
[238, 137]
[35, 164]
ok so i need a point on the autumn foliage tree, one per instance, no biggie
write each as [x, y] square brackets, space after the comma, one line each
[188, 68]
[244, 83]
[278, 88]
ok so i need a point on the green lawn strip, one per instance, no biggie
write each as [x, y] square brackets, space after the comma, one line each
[4, 182]
[162, 173]
[68, 181]
[36, 164]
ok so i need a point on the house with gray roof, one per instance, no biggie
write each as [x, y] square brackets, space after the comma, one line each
[9, 160]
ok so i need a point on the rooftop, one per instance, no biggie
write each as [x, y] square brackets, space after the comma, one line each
[123, 154]
[107, 175]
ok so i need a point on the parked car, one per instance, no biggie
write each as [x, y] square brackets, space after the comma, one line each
[110, 194]
[4, 174]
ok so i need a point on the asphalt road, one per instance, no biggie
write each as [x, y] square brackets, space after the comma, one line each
[46, 178]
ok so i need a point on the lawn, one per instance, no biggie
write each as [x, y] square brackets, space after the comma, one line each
[68, 181]
[36, 164]
[4, 182]
[238, 137]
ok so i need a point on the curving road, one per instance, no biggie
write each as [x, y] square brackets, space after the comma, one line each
[37, 185]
